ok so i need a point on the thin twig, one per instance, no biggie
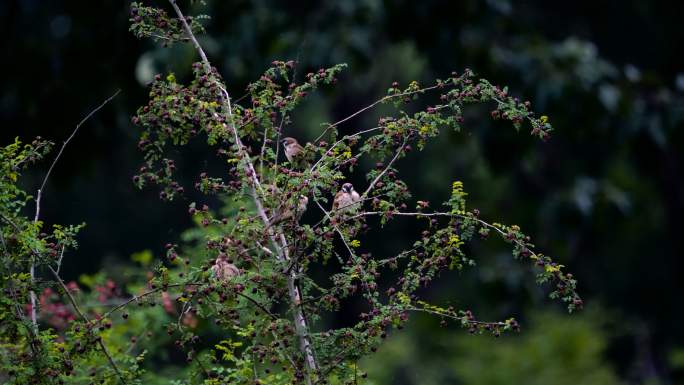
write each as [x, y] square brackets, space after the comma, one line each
[444, 214]
[61, 150]
[134, 298]
[257, 304]
[59, 261]
[10, 222]
[375, 103]
[346, 137]
[327, 214]
[263, 150]
[455, 317]
[264, 248]
[396, 156]
[342, 208]
[161, 37]
[23, 160]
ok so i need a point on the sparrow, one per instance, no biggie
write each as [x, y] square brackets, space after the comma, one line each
[224, 270]
[284, 212]
[346, 199]
[292, 148]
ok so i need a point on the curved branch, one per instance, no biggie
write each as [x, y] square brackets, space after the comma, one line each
[40, 194]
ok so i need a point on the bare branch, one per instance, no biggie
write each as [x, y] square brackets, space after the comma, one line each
[40, 193]
[61, 150]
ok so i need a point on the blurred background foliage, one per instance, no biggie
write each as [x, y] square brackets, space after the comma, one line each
[555, 349]
[604, 195]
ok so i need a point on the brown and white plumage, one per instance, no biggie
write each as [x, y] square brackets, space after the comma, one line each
[292, 148]
[224, 270]
[287, 214]
[347, 199]
[284, 211]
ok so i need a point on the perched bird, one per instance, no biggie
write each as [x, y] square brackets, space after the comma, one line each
[292, 148]
[287, 214]
[284, 211]
[347, 199]
[224, 270]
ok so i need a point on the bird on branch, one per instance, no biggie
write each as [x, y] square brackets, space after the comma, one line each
[347, 199]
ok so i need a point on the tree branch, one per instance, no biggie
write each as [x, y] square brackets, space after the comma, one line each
[40, 194]
[444, 214]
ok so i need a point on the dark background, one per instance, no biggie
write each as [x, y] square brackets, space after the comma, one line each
[604, 195]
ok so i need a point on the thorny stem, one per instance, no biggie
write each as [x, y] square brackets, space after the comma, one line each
[301, 325]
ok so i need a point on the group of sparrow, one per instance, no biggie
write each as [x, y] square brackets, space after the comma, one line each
[347, 199]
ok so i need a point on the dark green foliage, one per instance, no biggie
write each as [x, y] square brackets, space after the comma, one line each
[553, 349]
